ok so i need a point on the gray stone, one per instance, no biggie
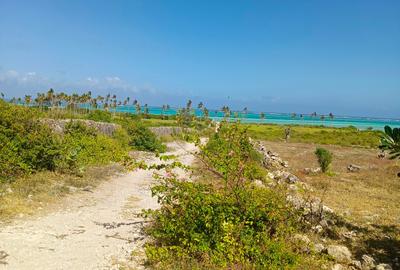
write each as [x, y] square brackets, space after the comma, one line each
[58, 125]
[383, 266]
[353, 168]
[339, 253]
[338, 267]
[312, 170]
[258, 183]
[318, 229]
[319, 248]
[356, 264]
[164, 131]
[367, 262]
[302, 238]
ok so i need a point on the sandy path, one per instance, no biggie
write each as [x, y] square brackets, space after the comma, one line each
[93, 231]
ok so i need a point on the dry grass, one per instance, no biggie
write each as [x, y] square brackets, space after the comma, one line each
[369, 200]
[35, 193]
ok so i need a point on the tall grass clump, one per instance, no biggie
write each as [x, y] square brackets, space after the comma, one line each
[324, 158]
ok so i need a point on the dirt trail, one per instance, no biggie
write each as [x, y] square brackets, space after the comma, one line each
[95, 230]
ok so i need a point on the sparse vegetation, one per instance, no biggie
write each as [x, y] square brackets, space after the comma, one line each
[349, 136]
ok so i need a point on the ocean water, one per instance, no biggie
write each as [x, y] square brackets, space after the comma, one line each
[285, 119]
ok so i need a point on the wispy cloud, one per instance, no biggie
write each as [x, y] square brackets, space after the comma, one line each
[15, 83]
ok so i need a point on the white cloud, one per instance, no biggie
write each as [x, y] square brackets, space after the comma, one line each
[112, 79]
[15, 83]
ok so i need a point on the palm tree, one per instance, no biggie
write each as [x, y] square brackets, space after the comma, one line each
[39, 100]
[189, 104]
[226, 110]
[138, 108]
[28, 99]
[2, 95]
[164, 107]
[50, 96]
[205, 113]
[146, 110]
[245, 111]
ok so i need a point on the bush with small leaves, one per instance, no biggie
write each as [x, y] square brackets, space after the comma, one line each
[324, 158]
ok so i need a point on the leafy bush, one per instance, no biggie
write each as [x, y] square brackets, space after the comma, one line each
[324, 158]
[100, 116]
[230, 150]
[83, 146]
[141, 138]
[200, 224]
[26, 145]
[240, 226]
[391, 141]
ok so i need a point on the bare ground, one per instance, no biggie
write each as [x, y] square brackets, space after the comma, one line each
[97, 229]
[369, 199]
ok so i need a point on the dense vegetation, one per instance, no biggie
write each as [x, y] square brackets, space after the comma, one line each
[228, 222]
[27, 145]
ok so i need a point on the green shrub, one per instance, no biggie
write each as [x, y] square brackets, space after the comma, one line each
[240, 226]
[141, 138]
[100, 116]
[230, 150]
[198, 223]
[324, 158]
[83, 146]
[26, 145]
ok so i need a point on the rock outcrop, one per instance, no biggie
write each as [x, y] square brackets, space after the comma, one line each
[58, 125]
[167, 131]
[339, 253]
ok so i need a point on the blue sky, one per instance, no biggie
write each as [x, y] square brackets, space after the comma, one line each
[283, 56]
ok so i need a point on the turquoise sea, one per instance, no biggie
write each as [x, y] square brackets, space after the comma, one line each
[285, 118]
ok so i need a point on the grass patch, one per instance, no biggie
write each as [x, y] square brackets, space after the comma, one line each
[348, 136]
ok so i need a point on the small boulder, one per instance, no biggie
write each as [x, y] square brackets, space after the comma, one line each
[339, 253]
[367, 262]
[338, 267]
[319, 248]
[259, 183]
[312, 170]
[302, 238]
[356, 264]
[383, 266]
[291, 179]
[317, 229]
[353, 168]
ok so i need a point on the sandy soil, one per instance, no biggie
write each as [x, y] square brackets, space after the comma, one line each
[98, 229]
